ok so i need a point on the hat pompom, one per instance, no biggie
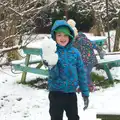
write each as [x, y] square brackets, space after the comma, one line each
[75, 31]
[71, 22]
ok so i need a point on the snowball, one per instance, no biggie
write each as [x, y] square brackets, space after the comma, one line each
[48, 51]
[51, 59]
[48, 46]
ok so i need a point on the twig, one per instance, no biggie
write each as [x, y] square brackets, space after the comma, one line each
[11, 48]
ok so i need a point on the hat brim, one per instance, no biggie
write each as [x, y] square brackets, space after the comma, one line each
[64, 31]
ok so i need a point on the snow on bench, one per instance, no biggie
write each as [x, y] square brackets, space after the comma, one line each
[33, 59]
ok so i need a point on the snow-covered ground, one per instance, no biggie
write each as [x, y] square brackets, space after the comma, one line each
[22, 102]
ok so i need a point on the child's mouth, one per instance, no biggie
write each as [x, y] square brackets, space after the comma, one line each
[63, 41]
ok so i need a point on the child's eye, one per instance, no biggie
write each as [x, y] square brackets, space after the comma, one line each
[58, 34]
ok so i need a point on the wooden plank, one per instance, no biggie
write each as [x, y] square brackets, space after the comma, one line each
[23, 78]
[99, 42]
[23, 62]
[108, 116]
[40, 65]
[103, 61]
[31, 70]
[33, 51]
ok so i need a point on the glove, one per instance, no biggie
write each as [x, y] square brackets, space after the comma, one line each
[86, 102]
[45, 63]
[102, 54]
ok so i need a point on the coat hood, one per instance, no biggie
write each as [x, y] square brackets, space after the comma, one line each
[60, 23]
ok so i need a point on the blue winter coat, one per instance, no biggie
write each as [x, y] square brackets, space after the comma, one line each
[69, 72]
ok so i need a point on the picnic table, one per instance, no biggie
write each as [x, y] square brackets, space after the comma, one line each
[108, 115]
[110, 60]
[99, 40]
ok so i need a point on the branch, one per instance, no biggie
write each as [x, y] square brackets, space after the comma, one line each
[21, 15]
[114, 19]
[38, 9]
[11, 48]
[8, 37]
[112, 5]
[5, 5]
[6, 63]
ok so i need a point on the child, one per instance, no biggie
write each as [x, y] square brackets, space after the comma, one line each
[66, 75]
[86, 48]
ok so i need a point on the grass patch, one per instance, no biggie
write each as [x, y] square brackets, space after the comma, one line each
[37, 83]
[100, 81]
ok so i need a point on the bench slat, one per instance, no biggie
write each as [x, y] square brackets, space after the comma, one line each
[31, 70]
[33, 51]
[108, 116]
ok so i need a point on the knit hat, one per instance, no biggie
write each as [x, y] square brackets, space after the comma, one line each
[64, 30]
[72, 23]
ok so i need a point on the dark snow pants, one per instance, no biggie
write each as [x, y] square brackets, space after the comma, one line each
[60, 102]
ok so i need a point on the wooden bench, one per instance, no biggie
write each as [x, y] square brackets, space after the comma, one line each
[109, 61]
[23, 65]
[108, 116]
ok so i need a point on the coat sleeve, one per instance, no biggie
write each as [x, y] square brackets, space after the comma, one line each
[54, 72]
[82, 79]
[96, 47]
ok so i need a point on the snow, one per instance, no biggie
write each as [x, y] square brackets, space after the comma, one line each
[96, 38]
[22, 61]
[23, 102]
[109, 58]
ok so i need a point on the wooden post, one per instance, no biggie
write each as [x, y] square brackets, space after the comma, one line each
[40, 65]
[25, 73]
[106, 68]
[117, 36]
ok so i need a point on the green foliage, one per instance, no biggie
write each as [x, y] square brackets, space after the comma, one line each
[13, 55]
[36, 83]
[99, 80]
[83, 18]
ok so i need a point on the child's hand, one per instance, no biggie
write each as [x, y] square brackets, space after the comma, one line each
[102, 54]
[86, 102]
[45, 63]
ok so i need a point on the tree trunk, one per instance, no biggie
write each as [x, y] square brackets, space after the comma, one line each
[98, 27]
[117, 36]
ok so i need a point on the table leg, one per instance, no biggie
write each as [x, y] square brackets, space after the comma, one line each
[106, 68]
[24, 74]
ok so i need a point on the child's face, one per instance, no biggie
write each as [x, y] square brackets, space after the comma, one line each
[62, 39]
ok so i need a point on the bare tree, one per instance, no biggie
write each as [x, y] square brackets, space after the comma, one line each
[17, 19]
[117, 37]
